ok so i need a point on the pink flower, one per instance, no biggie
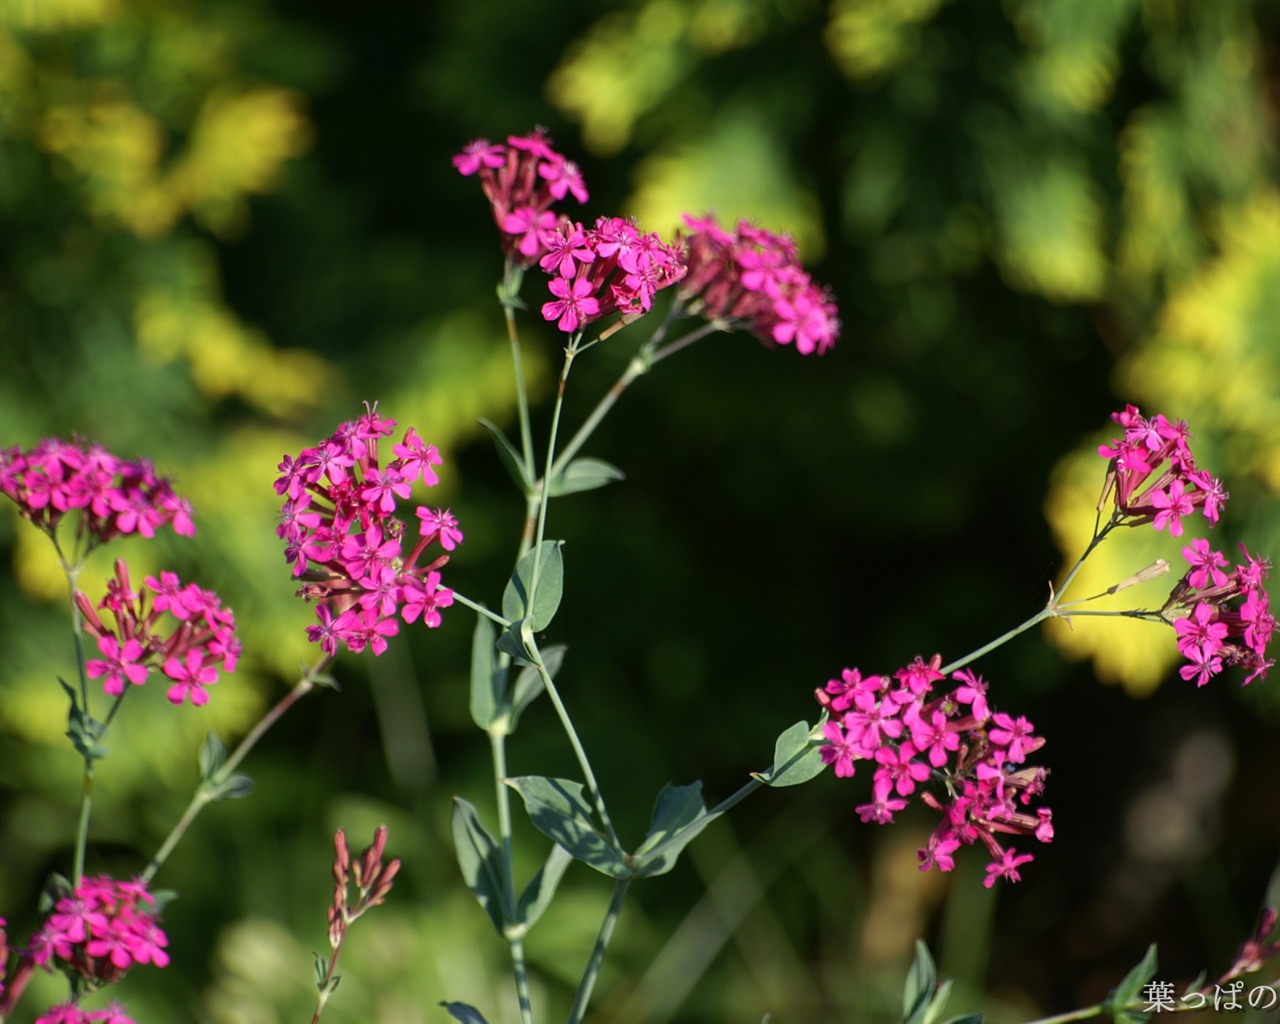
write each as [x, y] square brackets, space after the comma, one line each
[1006, 867]
[122, 663]
[342, 531]
[575, 306]
[183, 622]
[752, 279]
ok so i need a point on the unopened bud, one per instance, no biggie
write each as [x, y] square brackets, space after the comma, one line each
[1156, 569]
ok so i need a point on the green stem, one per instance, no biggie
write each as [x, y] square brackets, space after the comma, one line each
[579, 1011]
[481, 610]
[544, 497]
[513, 935]
[207, 791]
[588, 776]
[86, 783]
[512, 274]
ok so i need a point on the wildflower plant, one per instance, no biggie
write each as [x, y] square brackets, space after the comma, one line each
[369, 554]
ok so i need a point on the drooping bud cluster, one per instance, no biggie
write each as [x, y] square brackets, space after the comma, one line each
[753, 278]
[612, 267]
[100, 930]
[965, 761]
[346, 543]
[1153, 476]
[113, 496]
[183, 630]
[1222, 614]
[522, 180]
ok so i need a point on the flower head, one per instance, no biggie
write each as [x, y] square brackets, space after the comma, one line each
[1222, 618]
[522, 180]
[950, 750]
[1153, 476]
[184, 631]
[112, 496]
[752, 278]
[101, 930]
[612, 267]
[345, 541]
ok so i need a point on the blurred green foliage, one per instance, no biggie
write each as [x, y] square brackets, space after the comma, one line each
[224, 224]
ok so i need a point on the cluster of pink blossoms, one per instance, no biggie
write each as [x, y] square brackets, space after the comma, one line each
[913, 737]
[69, 1013]
[184, 630]
[1226, 615]
[1221, 613]
[613, 267]
[521, 180]
[101, 930]
[113, 496]
[753, 278]
[346, 543]
[1153, 475]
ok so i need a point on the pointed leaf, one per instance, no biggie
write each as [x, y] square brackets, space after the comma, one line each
[464, 1013]
[480, 858]
[917, 993]
[487, 681]
[679, 815]
[796, 758]
[967, 1018]
[558, 810]
[546, 591]
[509, 457]
[233, 788]
[1128, 994]
[83, 730]
[537, 896]
[213, 754]
[529, 682]
[584, 475]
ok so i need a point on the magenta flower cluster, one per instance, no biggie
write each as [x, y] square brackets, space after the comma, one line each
[522, 180]
[1153, 475]
[954, 741]
[1226, 615]
[612, 267]
[101, 930]
[70, 1013]
[113, 496]
[346, 543]
[184, 630]
[753, 278]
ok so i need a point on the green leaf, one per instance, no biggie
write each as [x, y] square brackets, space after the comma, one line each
[796, 759]
[558, 810]
[966, 1018]
[584, 475]
[232, 788]
[480, 858]
[509, 457]
[917, 993]
[464, 1013]
[537, 895]
[518, 641]
[488, 682]
[679, 815]
[83, 729]
[213, 754]
[529, 682]
[1129, 991]
[546, 590]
